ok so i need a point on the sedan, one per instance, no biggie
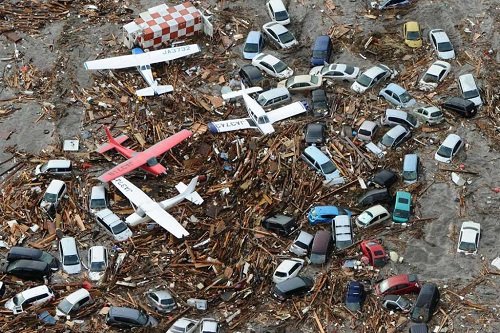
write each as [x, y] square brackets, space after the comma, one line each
[184, 325]
[394, 137]
[396, 303]
[468, 241]
[412, 34]
[374, 252]
[272, 66]
[398, 285]
[371, 77]
[287, 269]
[449, 148]
[161, 300]
[302, 82]
[441, 44]
[434, 75]
[315, 134]
[279, 35]
[373, 215]
[397, 95]
[336, 72]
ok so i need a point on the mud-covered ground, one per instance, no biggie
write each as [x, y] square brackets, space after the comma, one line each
[58, 51]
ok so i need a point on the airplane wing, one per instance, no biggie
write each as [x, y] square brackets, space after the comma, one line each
[146, 58]
[150, 207]
[230, 125]
[142, 157]
[286, 111]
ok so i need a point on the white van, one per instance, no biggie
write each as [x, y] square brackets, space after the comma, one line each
[469, 89]
[33, 296]
[53, 194]
[73, 302]
[98, 199]
[69, 257]
[98, 262]
[274, 97]
[54, 167]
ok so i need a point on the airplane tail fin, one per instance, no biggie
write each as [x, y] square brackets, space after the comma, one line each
[243, 91]
[112, 142]
[154, 90]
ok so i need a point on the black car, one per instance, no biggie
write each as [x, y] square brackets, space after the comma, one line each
[418, 328]
[280, 224]
[251, 75]
[426, 303]
[123, 317]
[385, 178]
[355, 296]
[462, 106]
[371, 197]
[26, 269]
[320, 105]
[19, 252]
[2, 289]
[315, 134]
[295, 286]
[396, 303]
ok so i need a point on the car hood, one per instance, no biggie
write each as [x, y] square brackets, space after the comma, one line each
[72, 269]
[363, 219]
[358, 88]
[414, 43]
[10, 304]
[95, 276]
[285, 74]
[316, 70]
[123, 236]
[446, 55]
[249, 55]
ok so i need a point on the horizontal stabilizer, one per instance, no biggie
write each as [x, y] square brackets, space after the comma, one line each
[193, 196]
[149, 91]
[163, 89]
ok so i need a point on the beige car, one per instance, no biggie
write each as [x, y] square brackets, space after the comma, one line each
[302, 82]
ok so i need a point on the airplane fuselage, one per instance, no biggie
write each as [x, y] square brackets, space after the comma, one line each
[151, 167]
[145, 70]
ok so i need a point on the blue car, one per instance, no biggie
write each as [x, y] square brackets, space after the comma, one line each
[321, 51]
[253, 44]
[326, 214]
[355, 296]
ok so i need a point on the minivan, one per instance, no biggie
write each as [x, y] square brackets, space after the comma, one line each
[295, 286]
[253, 45]
[27, 269]
[320, 247]
[54, 167]
[411, 165]
[321, 163]
[469, 89]
[33, 296]
[123, 317]
[402, 207]
[53, 195]
[393, 117]
[426, 303]
[73, 302]
[462, 106]
[98, 262]
[280, 224]
[321, 51]
[274, 97]
[69, 257]
[371, 197]
[277, 11]
[342, 232]
[98, 198]
[19, 252]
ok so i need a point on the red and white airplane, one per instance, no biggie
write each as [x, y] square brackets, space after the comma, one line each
[145, 160]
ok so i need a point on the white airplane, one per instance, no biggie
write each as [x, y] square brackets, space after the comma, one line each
[143, 60]
[258, 118]
[147, 209]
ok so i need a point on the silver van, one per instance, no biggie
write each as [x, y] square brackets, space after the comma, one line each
[274, 97]
[98, 198]
[54, 167]
[393, 117]
[410, 168]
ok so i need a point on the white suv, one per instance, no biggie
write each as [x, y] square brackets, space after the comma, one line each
[468, 241]
[469, 89]
[33, 296]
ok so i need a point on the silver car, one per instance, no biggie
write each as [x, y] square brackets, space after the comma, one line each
[302, 244]
[161, 300]
[279, 35]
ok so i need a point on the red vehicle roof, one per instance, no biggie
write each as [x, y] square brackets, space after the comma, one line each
[398, 285]
[374, 252]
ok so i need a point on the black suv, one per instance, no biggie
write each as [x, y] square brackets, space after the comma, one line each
[26, 269]
[463, 107]
[320, 105]
[280, 224]
[251, 75]
[315, 134]
[426, 303]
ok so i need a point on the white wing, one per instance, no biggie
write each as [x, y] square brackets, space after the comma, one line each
[286, 111]
[146, 58]
[230, 125]
[150, 207]
[243, 91]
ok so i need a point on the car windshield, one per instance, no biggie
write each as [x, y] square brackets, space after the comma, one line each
[65, 306]
[281, 16]
[177, 329]
[405, 97]
[401, 213]
[328, 167]
[444, 151]
[314, 79]
[429, 78]
[364, 80]
[383, 286]
[471, 94]
[403, 302]
[445, 47]
[50, 197]
[280, 274]
[343, 244]
[300, 244]
[387, 140]
[97, 203]
[142, 319]
[410, 175]
[251, 48]
[469, 247]
[412, 120]
[413, 35]
[18, 299]
[119, 228]
[320, 104]
[286, 37]
[280, 66]
[319, 54]
[71, 260]
[97, 266]
[379, 262]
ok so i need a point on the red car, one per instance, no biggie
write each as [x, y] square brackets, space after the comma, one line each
[398, 285]
[374, 252]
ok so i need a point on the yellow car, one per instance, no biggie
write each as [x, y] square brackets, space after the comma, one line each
[412, 34]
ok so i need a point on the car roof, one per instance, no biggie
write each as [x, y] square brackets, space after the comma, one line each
[59, 163]
[391, 297]
[374, 71]
[372, 244]
[437, 67]
[269, 58]
[467, 82]
[31, 264]
[396, 131]
[293, 283]
[326, 209]
[108, 217]
[251, 71]
[54, 186]
[368, 125]
[403, 194]
[318, 93]
[183, 322]
[409, 161]
[377, 210]
[354, 291]
[305, 237]
[321, 42]
[77, 295]
[36, 290]
[98, 253]
[276, 27]
[24, 251]
[98, 191]
[277, 5]
[316, 154]
[286, 265]
[451, 140]
[123, 312]
[280, 91]
[162, 294]
[412, 26]
[253, 37]
[68, 243]
[209, 325]
[440, 35]
[397, 279]
[469, 231]
[396, 88]
[458, 101]
[303, 78]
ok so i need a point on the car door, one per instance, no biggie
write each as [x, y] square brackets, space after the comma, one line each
[273, 35]
[61, 192]
[433, 40]
[268, 68]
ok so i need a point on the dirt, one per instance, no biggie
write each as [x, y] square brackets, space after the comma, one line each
[60, 48]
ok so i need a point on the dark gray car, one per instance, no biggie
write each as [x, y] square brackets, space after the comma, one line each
[19, 252]
[123, 317]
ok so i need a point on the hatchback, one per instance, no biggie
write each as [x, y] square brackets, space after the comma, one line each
[449, 148]
[342, 232]
[288, 269]
[69, 257]
[355, 295]
[98, 262]
[412, 34]
[396, 303]
[321, 51]
[18, 252]
[377, 195]
[98, 198]
[469, 89]
[463, 107]
[250, 75]
[341, 72]
[411, 165]
[397, 95]
[441, 44]
[320, 105]
[315, 134]
[184, 325]
[272, 66]
[375, 252]
[296, 286]
[367, 130]
[402, 207]
[468, 241]
[325, 214]
[277, 11]
[113, 225]
[426, 303]
[371, 77]
[123, 317]
[279, 35]
[161, 300]
[322, 164]
[429, 115]
[398, 285]
[53, 195]
[301, 244]
[434, 75]
[253, 45]
[30, 297]
[372, 216]
[54, 167]
[394, 137]
[73, 302]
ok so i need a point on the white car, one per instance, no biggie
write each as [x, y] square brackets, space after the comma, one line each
[288, 269]
[98, 262]
[279, 35]
[34, 296]
[53, 195]
[336, 72]
[301, 244]
[73, 302]
[69, 256]
[371, 77]
[184, 325]
[277, 11]
[430, 115]
[441, 43]
[470, 233]
[272, 66]
[449, 148]
[301, 82]
[434, 75]
[372, 216]
[113, 225]
[469, 89]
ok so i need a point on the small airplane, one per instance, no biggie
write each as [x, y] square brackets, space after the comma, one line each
[145, 159]
[143, 60]
[146, 208]
[258, 118]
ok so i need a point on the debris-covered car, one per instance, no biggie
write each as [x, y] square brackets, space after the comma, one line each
[430, 115]
[53, 195]
[315, 134]
[30, 297]
[434, 75]
[20, 252]
[374, 251]
[54, 167]
[325, 214]
[98, 262]
[161, 300]
[26, 269]
[280, 224]
[124, 317]
[355, 295]
[296, 286]
[320, 105]
[184, 325]
[396, 303]
[322, 164]
[113, 225]
[302, 244]
[388, 4]
[73, 302]
[250, 75]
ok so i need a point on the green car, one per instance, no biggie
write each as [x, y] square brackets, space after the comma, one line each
[402, 207]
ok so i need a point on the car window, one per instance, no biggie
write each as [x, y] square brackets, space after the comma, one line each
[273, 34]
[433, 40]
[294, 268]
[154, 297]
[456, 147]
